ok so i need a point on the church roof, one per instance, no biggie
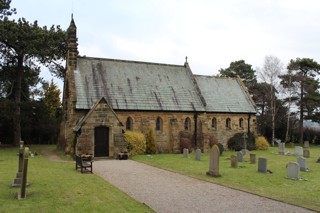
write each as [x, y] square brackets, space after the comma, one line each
[132, 85]
[142, 86]
[225, 95]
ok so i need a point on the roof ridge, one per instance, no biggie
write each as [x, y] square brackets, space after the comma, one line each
[129, 61]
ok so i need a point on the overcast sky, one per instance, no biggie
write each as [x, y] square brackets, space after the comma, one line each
[211, 33]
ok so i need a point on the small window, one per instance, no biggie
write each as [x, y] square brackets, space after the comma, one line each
[158, 124]
[129, 123]
[228, 123]
[187, 124]
[214, 123]
[241, 123]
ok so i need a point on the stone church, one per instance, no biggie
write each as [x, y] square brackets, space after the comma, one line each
[103, 98]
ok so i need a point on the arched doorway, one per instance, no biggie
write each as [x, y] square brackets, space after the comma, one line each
[101, 141]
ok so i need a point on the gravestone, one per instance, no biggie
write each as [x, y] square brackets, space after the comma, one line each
[306, 144]
[234, 161]
[17, 180]
[253, 158]
[306, 153]
[24, 174]
[239, 157]
[318, 161]
[185, 153]
[214, 161]
[298, 150]
[302, 163]
[262, 165]
[281, 148]
[198, 154]
[293, 170]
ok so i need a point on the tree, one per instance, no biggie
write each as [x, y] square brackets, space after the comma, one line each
[269, 74]
[150, 143]
[241, 69]
[301, 74]
[52, 98]
[5, 9]
[22, 45]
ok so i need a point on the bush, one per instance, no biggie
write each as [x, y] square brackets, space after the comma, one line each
[150, 143]
[136, 142]
[236, 142]
[262, 143]
[185, 143]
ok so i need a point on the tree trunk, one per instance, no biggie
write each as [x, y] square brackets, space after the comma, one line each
[301, 114]
[17, 99]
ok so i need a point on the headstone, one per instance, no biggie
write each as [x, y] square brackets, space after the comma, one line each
[239, 157]
[281, 148]
[262, 165]
[24, 174]
[306, 153]
[234, 161]
[185, 153]
[17, 180]
[277, 140]
[293, 170]
[253, 158]
[198, 154]
[298, 150]
[306, 144]
[302, 163]
[318, 161]
[214, 161]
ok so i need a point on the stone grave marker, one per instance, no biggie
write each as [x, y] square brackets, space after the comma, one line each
[262, 165]
[318, 161]
[306, 144]
[302, 163]
[298, 150]
[281, 148]
[253, 158]
[293, 170]
[24, 174]
[214, 161]
[17, 179]
[185, 153]
[198, 154]
[240, 156]
[234, 161]
[306, 153]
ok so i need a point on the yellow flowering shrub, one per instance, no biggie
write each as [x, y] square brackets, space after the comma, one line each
[262, 143]
[136, 142]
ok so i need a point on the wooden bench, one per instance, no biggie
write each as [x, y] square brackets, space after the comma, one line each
[84, 163]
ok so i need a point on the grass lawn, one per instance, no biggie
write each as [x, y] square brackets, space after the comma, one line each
[58, 187]
[305, 193]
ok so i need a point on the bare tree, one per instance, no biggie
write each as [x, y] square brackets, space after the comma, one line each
[269, 74]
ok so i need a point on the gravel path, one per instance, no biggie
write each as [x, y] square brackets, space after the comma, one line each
[168, 192]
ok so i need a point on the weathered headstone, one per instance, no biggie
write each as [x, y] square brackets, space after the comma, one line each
[214, 161]
[253, 158]
[198, 154]
[302, 163]
[185, 153]
[24, 174]
[293, 170]
[234, 161]
[239, 156]
[281, 148]
[306, 153]
[245, 151]
[306, 144]
[17, 180]
[298, 150]
[262, 165]
[318, 161]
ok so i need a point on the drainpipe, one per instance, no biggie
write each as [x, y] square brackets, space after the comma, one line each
[249, 123]
[195, 128]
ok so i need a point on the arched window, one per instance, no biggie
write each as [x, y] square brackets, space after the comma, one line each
[228, 123]
[241, 123]
[187, 124]
[214, 123]
[158, 124]
[129, 124]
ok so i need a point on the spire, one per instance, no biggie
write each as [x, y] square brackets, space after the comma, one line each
[72, 43]
[186, 63]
